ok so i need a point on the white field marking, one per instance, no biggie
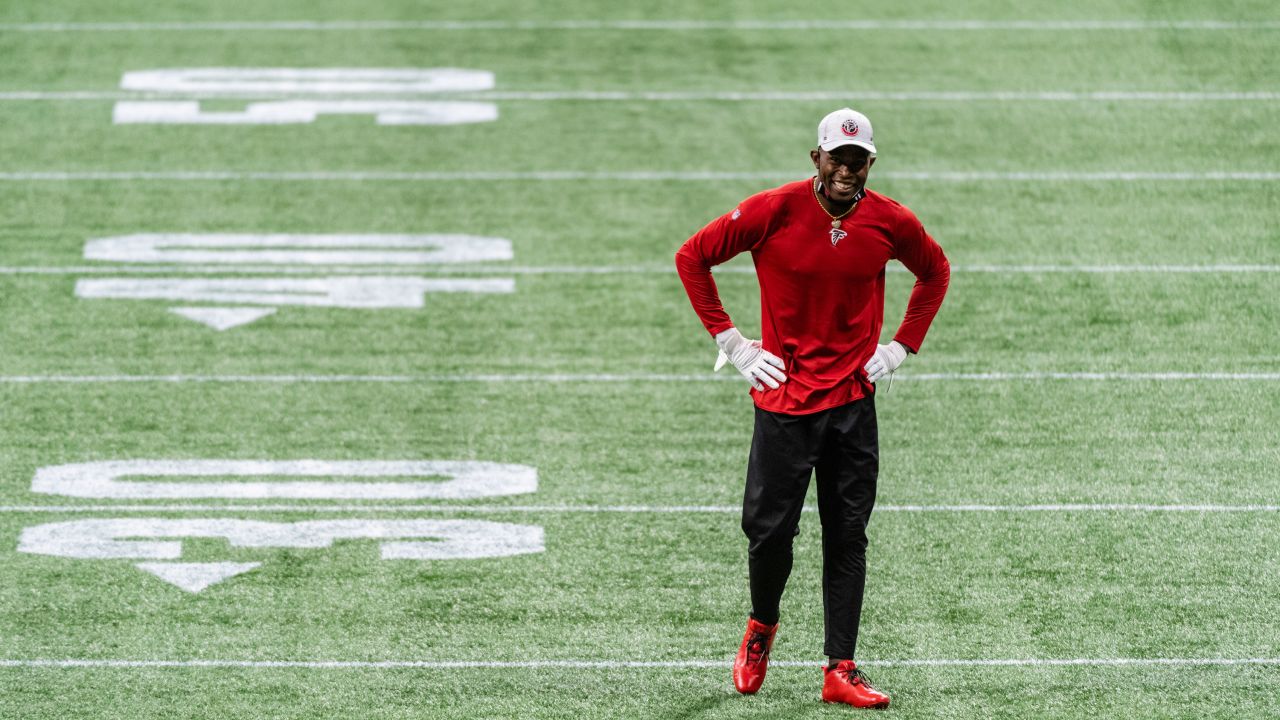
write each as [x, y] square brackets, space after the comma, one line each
[356, 292]
[68, 663]
[222, 318]
[1156, 96]
[601, 24]
[654, 269]
[462, 479]
[1122, 376]
[624, 176]
[101, 539]
[880, 95]
[616, 378]
[325, 82]
[302, 112]
[205, 81]
[304, 250]
[194, 577]
[634, 509]
[1108, 269]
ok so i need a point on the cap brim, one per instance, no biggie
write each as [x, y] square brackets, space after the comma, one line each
[841, 142]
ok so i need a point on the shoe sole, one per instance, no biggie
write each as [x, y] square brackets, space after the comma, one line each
[878, 706]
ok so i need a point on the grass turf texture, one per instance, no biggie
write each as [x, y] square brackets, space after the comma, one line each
[689, 136]
[642, 323]
[665, 586]
[793, 693]
[606, 444]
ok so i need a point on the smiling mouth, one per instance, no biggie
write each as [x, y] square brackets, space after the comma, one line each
[842, 187]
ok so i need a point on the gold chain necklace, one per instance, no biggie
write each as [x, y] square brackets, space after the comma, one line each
[835, 219]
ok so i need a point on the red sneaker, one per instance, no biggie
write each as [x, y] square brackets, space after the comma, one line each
[845, 683]
[753, 656]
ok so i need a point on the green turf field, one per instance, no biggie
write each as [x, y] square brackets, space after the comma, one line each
[1078, 505]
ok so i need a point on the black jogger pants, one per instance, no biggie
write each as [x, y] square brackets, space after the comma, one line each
[841, 444]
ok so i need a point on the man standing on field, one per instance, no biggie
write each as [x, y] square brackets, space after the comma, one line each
[820, 247]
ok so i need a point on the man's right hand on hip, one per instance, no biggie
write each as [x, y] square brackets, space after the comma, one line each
[755, 363]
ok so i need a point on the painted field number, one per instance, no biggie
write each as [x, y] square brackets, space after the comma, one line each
[324, 252]
[161, 539]
[326, 91]
[307, 479]
[356, 292]
[215, 81]
[296, 249]
[158, 541]
[303, 112]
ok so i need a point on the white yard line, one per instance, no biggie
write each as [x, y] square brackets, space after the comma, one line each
[654, 269]
[631, 509]
[69, 663]
[496, 268]
[696, 96]
[1119, 376]
[630, 176]
[619, 378]
[1108, 269]
[671, 24]
[882, 95]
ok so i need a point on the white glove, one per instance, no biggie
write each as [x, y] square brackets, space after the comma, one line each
[885, 361]
[755, 363]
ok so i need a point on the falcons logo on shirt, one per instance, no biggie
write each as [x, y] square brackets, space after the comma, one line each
[837, 235]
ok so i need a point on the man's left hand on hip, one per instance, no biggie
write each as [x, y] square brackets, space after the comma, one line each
[886, 359]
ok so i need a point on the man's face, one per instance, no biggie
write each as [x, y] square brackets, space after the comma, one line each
[843, 171]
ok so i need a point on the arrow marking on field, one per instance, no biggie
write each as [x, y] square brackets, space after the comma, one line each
[194, 577]
[222, 318]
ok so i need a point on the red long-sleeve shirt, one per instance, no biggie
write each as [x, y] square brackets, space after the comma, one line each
[821, 292]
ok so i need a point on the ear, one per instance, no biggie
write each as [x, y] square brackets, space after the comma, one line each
[870, 162]
[814, 155]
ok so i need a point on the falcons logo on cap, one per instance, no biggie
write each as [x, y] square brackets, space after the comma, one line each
[837, 235]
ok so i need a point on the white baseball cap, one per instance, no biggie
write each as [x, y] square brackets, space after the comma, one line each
[845, 127]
